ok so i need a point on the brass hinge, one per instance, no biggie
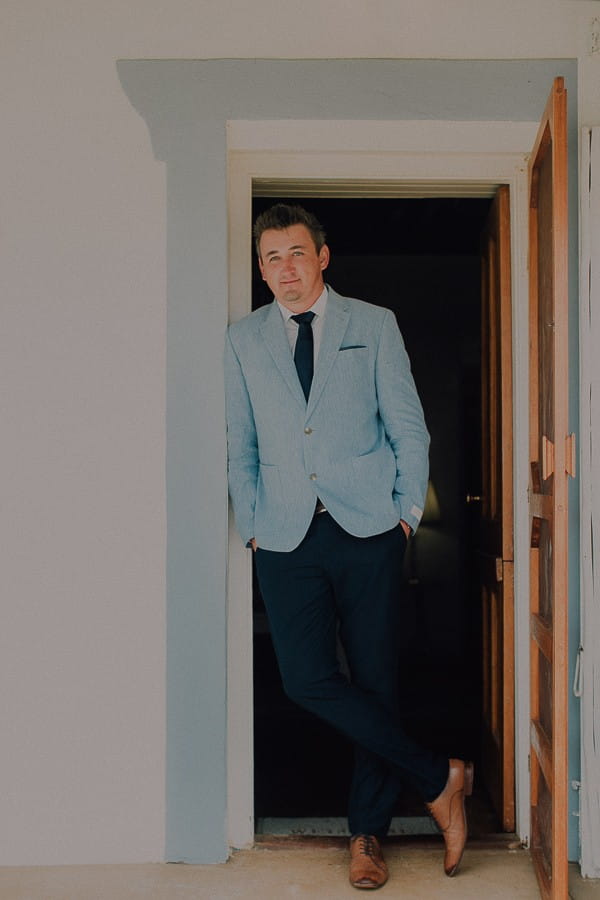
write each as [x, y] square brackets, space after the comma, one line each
[547, 457]
[499, 569]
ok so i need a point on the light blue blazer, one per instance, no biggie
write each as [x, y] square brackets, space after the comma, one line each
[360, 443]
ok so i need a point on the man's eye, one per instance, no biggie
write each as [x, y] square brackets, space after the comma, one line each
[298, 253]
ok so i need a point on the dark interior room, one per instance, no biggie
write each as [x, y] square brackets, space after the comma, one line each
[420, 258]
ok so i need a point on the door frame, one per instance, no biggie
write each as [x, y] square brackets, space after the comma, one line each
[354, 158]
[587, 674]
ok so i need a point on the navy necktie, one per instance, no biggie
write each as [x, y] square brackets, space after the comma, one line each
[304, 352]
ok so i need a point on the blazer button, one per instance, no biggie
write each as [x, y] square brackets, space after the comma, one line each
[313, 476]
[308, 430]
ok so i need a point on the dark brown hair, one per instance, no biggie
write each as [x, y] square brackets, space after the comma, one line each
[282, 216]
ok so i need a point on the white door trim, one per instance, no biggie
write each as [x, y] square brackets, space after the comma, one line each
[381, 159]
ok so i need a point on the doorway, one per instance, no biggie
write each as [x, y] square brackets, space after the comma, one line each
[422, 259]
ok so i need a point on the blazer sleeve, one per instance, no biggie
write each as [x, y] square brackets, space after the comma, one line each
[402, 416]
[242, 444]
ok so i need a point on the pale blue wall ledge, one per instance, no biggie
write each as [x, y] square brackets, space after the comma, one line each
[186, 105]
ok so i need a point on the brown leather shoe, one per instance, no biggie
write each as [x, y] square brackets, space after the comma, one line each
[448, 810]
[367, 865]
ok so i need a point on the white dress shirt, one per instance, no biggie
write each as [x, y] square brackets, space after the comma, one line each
[291, 327]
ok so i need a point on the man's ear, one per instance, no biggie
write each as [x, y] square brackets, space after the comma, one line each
[324, 257]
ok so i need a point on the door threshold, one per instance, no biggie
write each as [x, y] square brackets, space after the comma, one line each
[500, 841]
[337, 826]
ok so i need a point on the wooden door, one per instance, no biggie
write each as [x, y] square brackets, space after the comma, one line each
[550, 456]
[496, 534]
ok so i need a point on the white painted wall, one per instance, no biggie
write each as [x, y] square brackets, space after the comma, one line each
[82, 664]
[82, 380]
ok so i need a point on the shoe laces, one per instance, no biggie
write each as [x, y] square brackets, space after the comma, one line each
[366, 844]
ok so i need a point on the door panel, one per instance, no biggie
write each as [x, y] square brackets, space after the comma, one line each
[496, 547]
[549, 378]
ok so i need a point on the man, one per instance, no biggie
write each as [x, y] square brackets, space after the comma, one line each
[327, 474]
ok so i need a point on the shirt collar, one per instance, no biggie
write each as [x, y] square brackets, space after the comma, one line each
[318, 307]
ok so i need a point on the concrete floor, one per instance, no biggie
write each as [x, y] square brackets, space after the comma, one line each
[266, 873]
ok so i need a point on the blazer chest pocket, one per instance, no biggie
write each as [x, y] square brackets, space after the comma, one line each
[353, 372]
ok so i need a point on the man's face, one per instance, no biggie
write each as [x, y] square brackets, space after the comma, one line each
[291, 266]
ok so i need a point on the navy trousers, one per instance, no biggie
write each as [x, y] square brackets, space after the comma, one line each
[336, 582]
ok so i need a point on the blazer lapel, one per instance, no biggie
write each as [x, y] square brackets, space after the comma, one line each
[337, 316]
[275, 337]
